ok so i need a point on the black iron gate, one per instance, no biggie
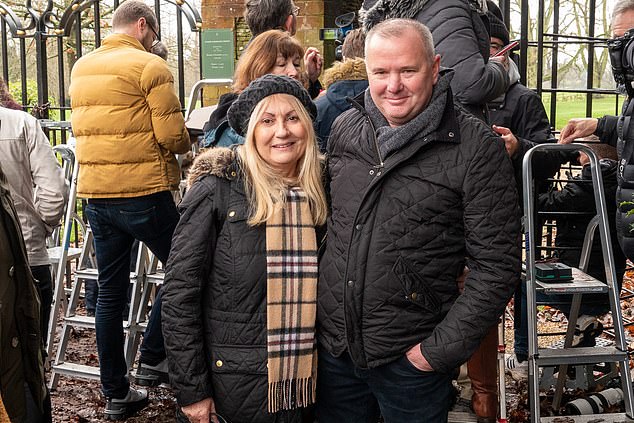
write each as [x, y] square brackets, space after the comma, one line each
[545, 47]
[61, 36]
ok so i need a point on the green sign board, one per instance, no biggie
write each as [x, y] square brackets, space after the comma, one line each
[217, 53]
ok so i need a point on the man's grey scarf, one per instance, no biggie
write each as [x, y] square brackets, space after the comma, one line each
[392, 139]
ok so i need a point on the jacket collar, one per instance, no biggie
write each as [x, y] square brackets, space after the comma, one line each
[349, 69]
[122, 40]
[449, 129]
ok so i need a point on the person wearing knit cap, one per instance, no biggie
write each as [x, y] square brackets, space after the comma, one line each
[239, 335]
[497, 29]
[273, 51]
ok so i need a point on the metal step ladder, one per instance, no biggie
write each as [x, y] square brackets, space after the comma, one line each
[86, 271]
[580, 285]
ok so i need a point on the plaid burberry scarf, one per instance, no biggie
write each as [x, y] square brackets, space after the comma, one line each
[291, 268]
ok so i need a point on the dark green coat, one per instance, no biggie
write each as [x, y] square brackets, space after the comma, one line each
[20, 337]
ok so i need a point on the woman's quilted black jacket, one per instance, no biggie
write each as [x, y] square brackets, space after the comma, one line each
[214, 298]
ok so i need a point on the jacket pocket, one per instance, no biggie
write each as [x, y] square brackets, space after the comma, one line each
[416, 290]
[240, 359]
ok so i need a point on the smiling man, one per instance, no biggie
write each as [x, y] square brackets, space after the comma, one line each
[419, 189]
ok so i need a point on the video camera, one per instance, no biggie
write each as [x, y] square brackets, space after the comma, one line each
[622, 60]
[344, 25]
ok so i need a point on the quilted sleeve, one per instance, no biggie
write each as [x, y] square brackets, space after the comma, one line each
[606, 130]
[186, 274]
[492, 241]
[461, 39]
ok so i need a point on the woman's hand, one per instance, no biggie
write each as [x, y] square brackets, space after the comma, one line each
[200, 412]
[313, 63]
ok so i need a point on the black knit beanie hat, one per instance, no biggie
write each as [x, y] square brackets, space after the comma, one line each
[498, 29]
[240, 111]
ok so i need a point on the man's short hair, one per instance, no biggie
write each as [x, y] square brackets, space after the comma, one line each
[263, 15]
[621, 7]
[392, 28]
[130, 12]
[354, 44]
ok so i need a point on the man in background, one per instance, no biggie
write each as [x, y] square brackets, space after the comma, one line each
[128, 124]
[39, 192]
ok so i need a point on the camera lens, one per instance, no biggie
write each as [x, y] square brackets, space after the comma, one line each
[627, 57]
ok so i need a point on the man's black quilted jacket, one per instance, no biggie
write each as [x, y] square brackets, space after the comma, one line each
[399, 236]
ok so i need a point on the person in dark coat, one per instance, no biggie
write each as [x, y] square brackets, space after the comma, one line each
[607, 129]
[578, 196]
[419, 190]
[460, 38]
[23, 393]
[275, 52]
[345, 79]
[241, 282]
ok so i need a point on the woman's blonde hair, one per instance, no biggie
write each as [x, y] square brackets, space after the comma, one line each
[264, 186]
[261, 55]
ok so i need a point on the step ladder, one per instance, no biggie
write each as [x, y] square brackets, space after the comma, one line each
[581, 284]
[143, 294]
[61, 365]
[85, 271]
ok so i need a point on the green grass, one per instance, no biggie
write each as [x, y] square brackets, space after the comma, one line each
[574, 106]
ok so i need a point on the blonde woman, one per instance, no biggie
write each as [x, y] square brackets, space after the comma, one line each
[241, 283]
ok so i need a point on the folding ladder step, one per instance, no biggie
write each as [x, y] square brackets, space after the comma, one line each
[88, 273]
[585, 355]
[77, 370]
[55, 253]
[602, 418]
[156, 278]
[80, 321]
[582, 283]
[89, 322]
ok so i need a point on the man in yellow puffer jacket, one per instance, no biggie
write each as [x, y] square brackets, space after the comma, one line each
[128, 124]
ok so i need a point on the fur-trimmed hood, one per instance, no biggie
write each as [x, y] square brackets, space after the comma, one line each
[349, 69]
[374, 11]
[219, 161]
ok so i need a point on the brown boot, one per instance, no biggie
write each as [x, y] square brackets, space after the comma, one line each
[482, 369]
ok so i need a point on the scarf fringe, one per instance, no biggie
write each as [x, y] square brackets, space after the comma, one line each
[291, 394]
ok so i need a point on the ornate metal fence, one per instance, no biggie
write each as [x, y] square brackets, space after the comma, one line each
[61, 36]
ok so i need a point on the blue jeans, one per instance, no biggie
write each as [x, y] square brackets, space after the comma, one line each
[116, 223]
[397, 391]
[560, 301]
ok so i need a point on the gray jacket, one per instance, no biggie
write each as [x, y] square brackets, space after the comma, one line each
[35, 178]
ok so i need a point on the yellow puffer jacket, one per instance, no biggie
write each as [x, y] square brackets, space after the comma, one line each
[127, 121]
